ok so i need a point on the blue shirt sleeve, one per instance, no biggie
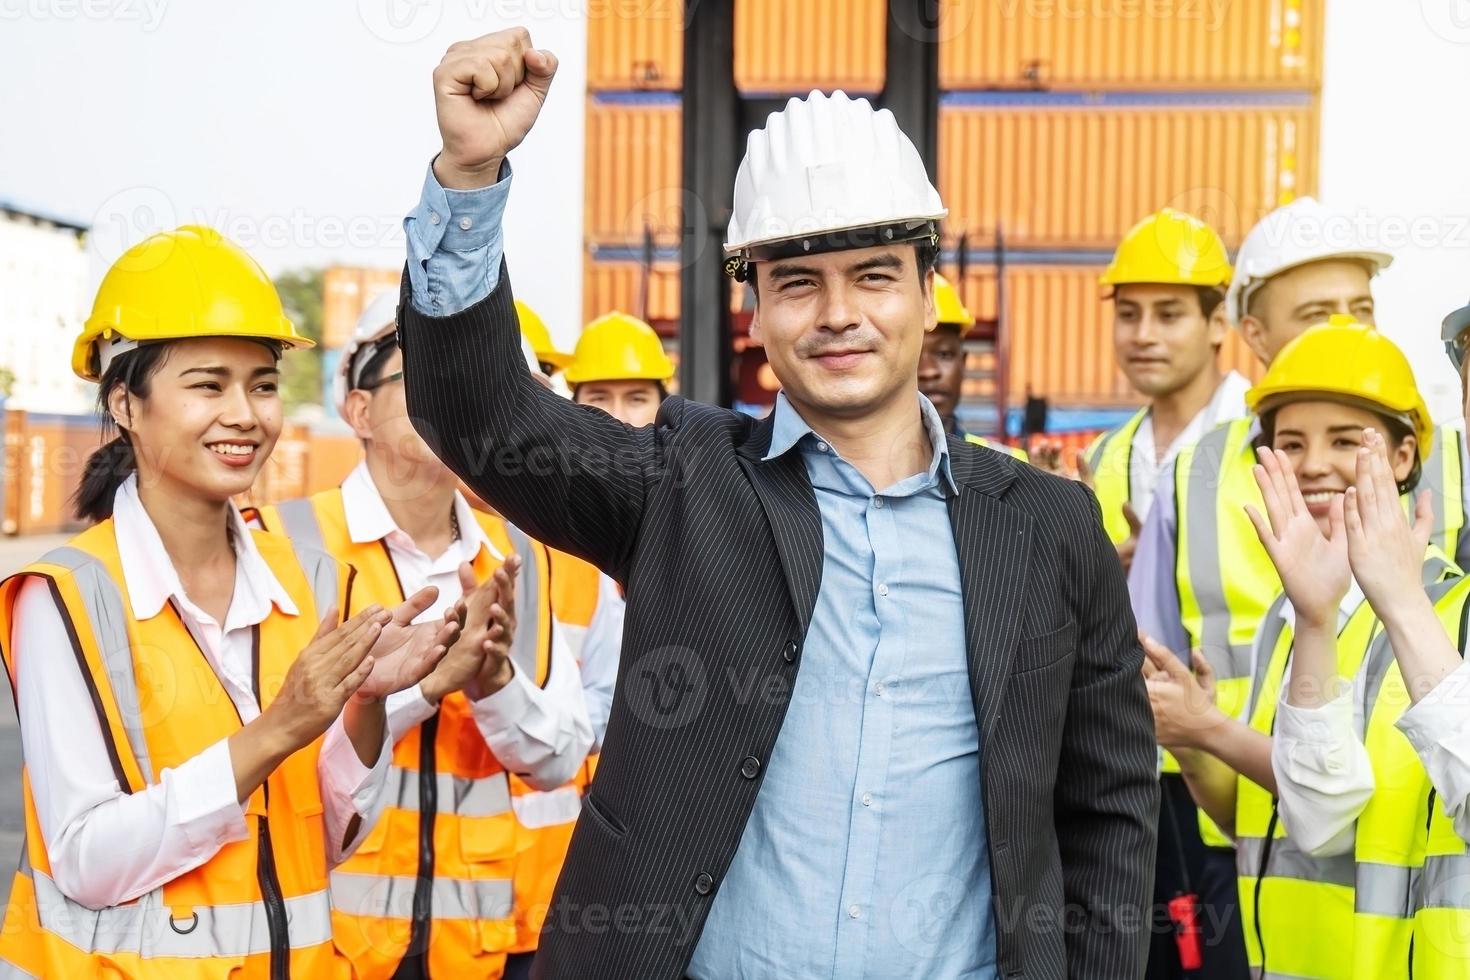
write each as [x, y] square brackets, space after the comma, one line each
[1151, 584]
[455, 244]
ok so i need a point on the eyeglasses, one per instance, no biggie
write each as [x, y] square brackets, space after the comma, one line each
[386, 379]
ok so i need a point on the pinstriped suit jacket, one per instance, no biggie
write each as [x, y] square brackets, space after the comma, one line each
[721, 554]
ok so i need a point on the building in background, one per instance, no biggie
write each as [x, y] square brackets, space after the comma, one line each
[43, 301]
[1059, 126]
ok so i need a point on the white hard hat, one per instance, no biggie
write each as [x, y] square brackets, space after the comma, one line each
[1292, 235]
[822, 168]
[377, 320]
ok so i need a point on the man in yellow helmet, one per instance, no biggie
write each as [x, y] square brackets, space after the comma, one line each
[942, 363]
[1201, 579]
[551, 359]
[620, 367]
[1168, 277]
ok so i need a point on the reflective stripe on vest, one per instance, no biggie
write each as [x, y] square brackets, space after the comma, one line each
[548, 808]
[149, 929]
[1110, 458]
[391, 896]
[1012, 451]
[484, 797]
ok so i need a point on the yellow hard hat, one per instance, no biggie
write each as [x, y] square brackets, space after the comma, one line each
[533, 328]
[951, 308]
[189, 282]
[619, 347]
[1345, 359]
[1169, 247]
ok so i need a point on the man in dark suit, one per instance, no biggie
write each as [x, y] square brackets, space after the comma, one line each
[879, 711]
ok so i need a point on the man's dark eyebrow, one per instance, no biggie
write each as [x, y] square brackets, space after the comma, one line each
[786, 270]
[885, 261]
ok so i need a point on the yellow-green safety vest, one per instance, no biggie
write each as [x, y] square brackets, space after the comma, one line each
[1000, 447]
[1110, 457]
[1339, 917]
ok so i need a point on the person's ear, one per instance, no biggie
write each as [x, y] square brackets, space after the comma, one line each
[1254, 332]
[355, 412]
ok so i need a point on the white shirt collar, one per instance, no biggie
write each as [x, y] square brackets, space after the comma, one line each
[152, 580]
[368, 519]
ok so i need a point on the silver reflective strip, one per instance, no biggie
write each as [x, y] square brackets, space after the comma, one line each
[1434, 479]
[147, 927]
[548, 809]
[9, 971]
[391, 896]
[1288, 861]
[525, 645]
[1446, 880]
[1206, 577]
[321, 572]
[1386, 889]
[299, 523]
[1272, 626]
[487, 796]
[1380, 659]
[110, 629]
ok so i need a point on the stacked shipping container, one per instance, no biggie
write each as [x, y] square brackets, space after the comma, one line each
[1062, 122]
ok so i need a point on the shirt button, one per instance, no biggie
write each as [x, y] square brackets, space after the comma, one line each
[853, 911]
[867, 799]
[878, 689]
[464, 224]
[704, 884]
[877, 501]
[821, 447]
[751, 767]
[788, 652]
[433, 217]
[882, 588]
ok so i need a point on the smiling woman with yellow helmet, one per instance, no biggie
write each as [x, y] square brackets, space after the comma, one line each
[203, 736]
[1325, 850]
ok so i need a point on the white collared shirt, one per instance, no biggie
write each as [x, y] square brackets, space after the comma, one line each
[542, 734]
[601, 651]
[106, 846]
[1146, 466]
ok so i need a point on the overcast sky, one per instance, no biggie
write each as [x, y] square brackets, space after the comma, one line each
[303, 130]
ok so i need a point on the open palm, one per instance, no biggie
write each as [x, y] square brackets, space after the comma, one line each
[1313, 567]
[406, 652]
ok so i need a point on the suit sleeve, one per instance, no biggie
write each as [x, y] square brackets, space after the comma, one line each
[570, 475]
[1107, 794]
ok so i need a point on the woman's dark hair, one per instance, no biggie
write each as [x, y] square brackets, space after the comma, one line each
[109, 467]
[1395, 431]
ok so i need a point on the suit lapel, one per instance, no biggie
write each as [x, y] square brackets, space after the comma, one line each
[993, 542]
[786, 495]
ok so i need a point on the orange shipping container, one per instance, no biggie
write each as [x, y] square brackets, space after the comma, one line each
[45, 456]
[1061, 340]
[635, 44]
[616, 284]
[795, 47]
[346, 290]
[1062, 175]
[1140, 44]
[633, 173]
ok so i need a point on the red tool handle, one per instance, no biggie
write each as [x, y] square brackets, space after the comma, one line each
[1184, 913]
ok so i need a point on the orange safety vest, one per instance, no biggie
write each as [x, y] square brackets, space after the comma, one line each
[551, 816]
[460, 885]
[260, 906]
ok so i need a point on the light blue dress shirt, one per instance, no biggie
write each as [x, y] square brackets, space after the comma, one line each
[865, 854]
